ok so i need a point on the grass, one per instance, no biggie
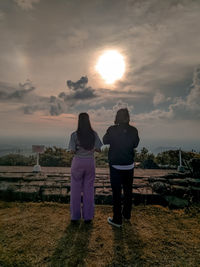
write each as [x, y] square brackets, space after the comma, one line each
[40, 234]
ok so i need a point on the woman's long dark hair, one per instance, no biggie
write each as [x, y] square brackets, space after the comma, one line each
[85, 133]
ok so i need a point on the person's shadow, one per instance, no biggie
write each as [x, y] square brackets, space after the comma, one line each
[72, 248]
[127, 247]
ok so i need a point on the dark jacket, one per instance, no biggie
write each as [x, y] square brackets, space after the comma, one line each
[122, 139]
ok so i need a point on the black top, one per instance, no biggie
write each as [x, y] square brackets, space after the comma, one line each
[122, 139]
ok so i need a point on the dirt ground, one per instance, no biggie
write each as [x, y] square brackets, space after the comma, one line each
[40, 234]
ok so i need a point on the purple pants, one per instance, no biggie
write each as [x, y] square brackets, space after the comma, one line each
[82, 183]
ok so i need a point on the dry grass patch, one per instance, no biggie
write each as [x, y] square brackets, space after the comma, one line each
[40, 234]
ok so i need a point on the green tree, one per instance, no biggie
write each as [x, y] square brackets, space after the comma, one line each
[144, 155]
[55, 156]
[17, 160]
[102, 158]
[146, 159]
[171, 157]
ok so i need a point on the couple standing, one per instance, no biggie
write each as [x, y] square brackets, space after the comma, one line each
[122, 138]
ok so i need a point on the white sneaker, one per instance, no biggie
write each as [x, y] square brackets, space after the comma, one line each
[110, 221]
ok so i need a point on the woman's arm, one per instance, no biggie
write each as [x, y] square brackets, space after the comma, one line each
[98, 144]
[72, 144]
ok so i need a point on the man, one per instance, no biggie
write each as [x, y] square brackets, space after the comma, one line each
[122, 138]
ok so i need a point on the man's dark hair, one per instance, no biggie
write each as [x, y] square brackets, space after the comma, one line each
[85, 133]
[122, 116]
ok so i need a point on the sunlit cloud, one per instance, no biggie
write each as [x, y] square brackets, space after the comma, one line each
[26, 4]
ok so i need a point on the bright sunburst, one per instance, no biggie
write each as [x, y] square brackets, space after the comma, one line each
[111, 66]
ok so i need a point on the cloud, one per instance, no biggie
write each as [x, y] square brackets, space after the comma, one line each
[106, 115]
[160, 98]
[76, 38]
[154, 115]
[26, 4]
[80, 84]
[47, 106]
[188, 107]
[120, 104]
[154, 36]
[31, 102]
[2, 15]
[159, 36]
[23, 90]
[193, 99]
[79, 90]
[183, 108]
[53, 105]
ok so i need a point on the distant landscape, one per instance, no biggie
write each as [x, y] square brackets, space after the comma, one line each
[24, 145]
[60, 157]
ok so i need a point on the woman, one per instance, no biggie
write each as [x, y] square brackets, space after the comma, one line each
[83, 142]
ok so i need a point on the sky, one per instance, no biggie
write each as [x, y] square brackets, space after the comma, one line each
[48, 53]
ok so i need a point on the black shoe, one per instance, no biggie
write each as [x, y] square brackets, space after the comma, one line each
[111, 222]
[88, 221]
[74, 221]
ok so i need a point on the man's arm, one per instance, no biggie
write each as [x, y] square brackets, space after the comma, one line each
[137, 139]
[106, 138]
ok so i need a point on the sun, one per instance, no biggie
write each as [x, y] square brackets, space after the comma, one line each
[111, 66]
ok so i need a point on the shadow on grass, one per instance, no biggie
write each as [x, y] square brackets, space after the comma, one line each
[127, 247]
[72, 248]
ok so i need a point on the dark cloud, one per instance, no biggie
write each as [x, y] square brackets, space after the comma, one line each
[80, 84]
[31, 102]
[49, 106]
[63, 95]
[3, 95]
[56, 106]
[53, 105]
[10, 93]
[79, 89]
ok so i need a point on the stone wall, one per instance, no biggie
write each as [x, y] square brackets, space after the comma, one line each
[178, 190]
[175, 190]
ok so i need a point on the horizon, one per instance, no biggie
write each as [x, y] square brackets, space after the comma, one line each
[24, 146]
